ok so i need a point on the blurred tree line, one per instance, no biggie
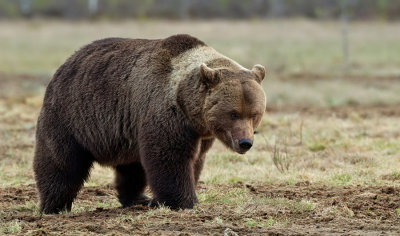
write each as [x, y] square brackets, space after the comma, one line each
[199, 9]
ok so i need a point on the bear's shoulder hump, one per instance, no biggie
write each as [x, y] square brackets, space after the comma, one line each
[180, 43]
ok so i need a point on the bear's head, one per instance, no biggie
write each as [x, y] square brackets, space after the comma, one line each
[234, 104]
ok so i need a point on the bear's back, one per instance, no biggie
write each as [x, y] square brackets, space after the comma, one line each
[99, 92]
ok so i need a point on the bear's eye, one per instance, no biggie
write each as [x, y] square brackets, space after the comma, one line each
[234, 115]
[254, 116]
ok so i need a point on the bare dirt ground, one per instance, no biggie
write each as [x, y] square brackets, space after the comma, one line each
[360, 211]
[257, 202]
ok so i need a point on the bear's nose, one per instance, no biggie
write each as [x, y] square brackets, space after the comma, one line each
[245, 143]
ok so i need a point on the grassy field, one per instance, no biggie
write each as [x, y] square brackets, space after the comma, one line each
[326, 158]
[39, 47]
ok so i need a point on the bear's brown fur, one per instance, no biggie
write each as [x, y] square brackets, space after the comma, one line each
[149, 108]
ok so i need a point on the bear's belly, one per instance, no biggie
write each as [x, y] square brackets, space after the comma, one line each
[120, 157]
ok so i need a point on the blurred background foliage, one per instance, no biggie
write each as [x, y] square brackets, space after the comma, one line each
[200, 9]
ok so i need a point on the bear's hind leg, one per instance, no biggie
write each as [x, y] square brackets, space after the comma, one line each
[59, 178]
[130, 183]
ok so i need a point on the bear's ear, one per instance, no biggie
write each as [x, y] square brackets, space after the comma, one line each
[209, 76]
[259, 71]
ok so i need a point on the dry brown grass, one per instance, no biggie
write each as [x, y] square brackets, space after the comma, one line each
[333, 150]
[338, 136]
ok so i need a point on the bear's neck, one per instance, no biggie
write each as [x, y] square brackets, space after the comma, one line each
[190, 98]
[186, 88]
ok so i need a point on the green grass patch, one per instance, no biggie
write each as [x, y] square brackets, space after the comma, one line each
[13, 227]
[341, 179]
[87, 205]
[316, 147]
[29, 206]
[396, 175]
[389, 147]
[301, 206]
[263, 222]
[234, 196]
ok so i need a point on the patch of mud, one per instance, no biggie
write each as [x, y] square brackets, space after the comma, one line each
[363, 204]
[350, 210]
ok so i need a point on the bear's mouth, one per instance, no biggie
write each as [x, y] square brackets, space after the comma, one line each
[227, 139]
[235, 146]
[241, 151]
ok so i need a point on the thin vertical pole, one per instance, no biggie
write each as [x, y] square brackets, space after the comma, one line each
[345, 34]
[93, 6]
[25, 7]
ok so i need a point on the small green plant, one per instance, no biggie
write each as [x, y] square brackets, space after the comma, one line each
[285, 223]
[341, 179]
[305, 206]
[270, 222]
[164, 210]
[396, 175]
[398, 211]
[234, 180]
[103, 204]
[251, 222]
[260, 222]
[29, 206]
[13, 227]
[125, 219]
[218, 220]
[350, 213]
[334, 210]
[316, 147]
[388, 147]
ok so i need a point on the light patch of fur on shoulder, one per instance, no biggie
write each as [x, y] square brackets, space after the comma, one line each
[190, 60]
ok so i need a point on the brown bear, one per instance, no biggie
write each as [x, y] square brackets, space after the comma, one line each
[150, 109]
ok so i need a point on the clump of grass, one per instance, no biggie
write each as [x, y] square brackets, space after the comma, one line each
[261, 222]
[281, 158]
[85, 206]
[341, 179]
[235, 179]
[280, 155]
[388, 147]
[161, 210]
[105, 204]
[316, 147]
[270, 222]
[396, 175]
[29, 206]
[13, 227]
[235, 196]
[229, 232]
[284, 203]
[305, 206]
[350, 212]
[125, 219]
[251, 222]
[218, 220]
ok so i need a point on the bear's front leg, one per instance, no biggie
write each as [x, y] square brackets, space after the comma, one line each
[130, 183]
[168, 158]
[199, 163]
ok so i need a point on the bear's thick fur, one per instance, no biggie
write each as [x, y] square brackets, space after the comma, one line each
[151, 109]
